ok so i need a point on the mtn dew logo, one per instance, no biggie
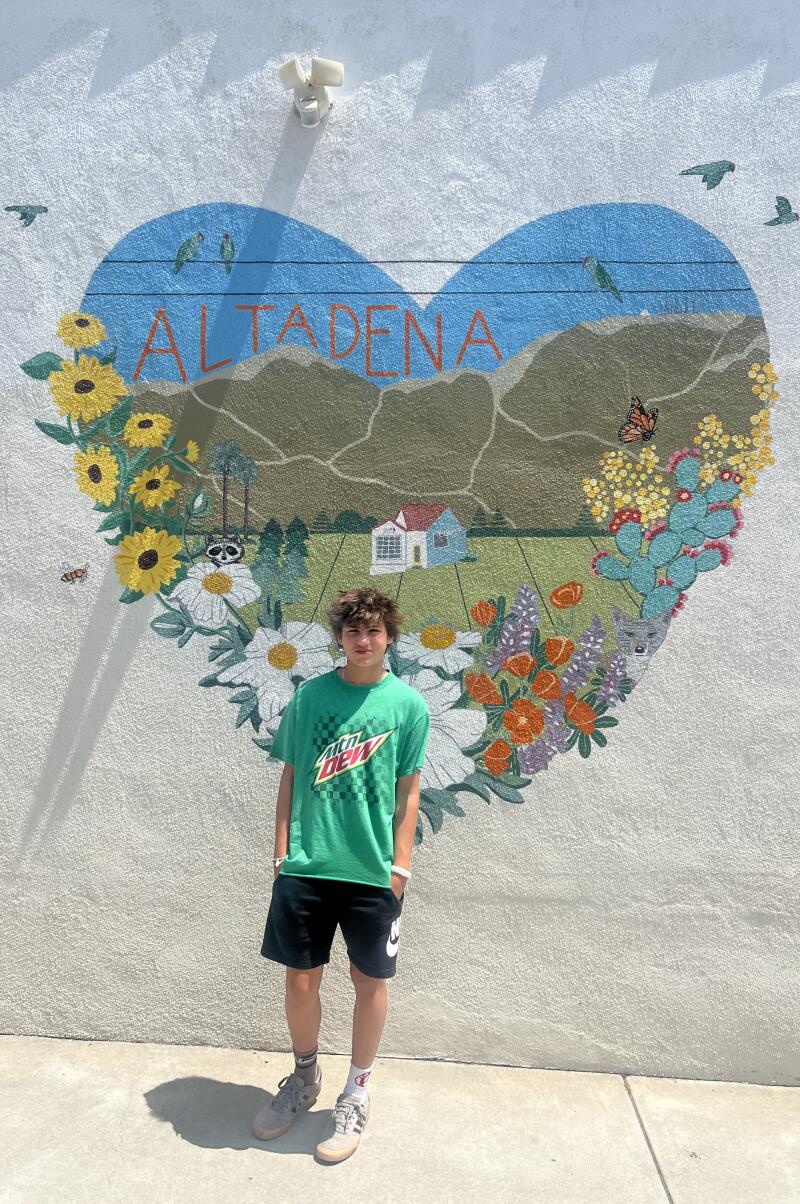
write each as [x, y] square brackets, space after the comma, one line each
[346, 753]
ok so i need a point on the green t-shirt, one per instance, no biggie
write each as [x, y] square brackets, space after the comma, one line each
[348, 745]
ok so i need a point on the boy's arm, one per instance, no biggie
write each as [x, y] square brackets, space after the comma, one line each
[405, 823]
[283, 812]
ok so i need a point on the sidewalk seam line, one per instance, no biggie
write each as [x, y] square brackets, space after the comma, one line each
[645, 1134]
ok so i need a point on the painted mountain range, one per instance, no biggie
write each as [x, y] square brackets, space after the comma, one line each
[519, 438]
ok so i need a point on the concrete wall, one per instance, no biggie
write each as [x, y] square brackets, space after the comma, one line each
[637, 909]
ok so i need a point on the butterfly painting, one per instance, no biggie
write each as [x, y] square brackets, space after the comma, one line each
[640, 423]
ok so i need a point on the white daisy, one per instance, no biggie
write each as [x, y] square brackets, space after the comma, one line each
[206, 588]
[451, 731]
[272, 658]
[439, 645]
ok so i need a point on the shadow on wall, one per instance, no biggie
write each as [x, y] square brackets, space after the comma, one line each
[98, 671]
[462, 46]
[104, 655]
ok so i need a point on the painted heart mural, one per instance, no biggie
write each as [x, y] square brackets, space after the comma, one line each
[537, 459]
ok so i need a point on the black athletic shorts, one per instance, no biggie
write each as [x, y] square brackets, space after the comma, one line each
[303, 915]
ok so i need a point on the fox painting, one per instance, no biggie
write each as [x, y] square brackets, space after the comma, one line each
[637, 640]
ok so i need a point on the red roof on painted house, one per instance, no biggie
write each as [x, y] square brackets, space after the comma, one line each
[418, 518]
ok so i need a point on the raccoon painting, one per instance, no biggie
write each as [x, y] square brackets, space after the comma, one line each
[638, 639]
[227, 550]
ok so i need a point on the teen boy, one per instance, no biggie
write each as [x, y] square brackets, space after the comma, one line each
[353, 743]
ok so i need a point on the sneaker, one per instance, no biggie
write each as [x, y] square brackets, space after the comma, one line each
[293, 1097]
[349, 1118]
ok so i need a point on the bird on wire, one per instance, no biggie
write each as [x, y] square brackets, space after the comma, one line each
[600, 277]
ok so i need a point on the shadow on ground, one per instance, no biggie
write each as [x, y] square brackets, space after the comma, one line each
[217, 1115]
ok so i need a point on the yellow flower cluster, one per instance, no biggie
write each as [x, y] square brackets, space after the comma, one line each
[639, 482]
[765, 377]
[749, 455]
[628, 481]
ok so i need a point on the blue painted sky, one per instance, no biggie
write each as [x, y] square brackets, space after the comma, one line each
[526, 284]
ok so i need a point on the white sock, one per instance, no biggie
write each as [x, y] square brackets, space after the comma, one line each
[357, 1082]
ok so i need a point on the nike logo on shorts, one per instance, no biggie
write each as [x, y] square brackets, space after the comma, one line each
[394, 938]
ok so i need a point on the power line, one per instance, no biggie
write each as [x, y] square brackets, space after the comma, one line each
[360, 263]
[412, 292]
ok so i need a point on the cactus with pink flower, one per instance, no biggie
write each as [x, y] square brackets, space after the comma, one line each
[663, 562]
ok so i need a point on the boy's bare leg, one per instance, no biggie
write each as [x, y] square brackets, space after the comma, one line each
[303, 1009]
[369, 1016]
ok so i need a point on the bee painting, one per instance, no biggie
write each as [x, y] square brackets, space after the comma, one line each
[72, 573]
[640, 423]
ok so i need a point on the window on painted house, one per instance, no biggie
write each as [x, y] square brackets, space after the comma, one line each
[387, 547]
[440, 541]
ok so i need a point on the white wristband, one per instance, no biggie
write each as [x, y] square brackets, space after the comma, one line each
[277, 860]
[398, 869]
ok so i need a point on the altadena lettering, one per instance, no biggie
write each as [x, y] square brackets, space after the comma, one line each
[347, 331]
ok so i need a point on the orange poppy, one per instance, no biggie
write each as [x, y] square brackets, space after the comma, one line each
[521, 664]
[482, 689]
[546, 684]
[580, 714]
[558, 650]
[497, 757]
[567, 595]
[484, 613]
[524, 721]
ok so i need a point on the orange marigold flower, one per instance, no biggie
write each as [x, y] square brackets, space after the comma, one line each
[524, 721]
[482, 689]
[528, 708]
[580, 714]
[521, 664]
[569, 594]
[497, 757]
[516, 727]
[558, 649]
[484, 613]
[546, 685]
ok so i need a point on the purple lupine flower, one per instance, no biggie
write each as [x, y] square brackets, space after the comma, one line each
[533, 758]
[526, 608]
[585, 657]
[516, 631]
[555, 730]
[507, 645]
[554, 712]
[608, 690]
[556, 737]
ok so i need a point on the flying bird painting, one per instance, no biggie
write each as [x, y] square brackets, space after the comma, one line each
[711, 173]
[785, 213]
[27, 213]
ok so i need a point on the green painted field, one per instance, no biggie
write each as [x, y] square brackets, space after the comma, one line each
[447, 592]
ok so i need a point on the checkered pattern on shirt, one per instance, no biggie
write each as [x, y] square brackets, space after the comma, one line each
[356, 785]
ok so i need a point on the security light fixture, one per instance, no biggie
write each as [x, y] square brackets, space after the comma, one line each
[311, 99]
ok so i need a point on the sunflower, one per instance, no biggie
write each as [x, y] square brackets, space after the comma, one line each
[152, 487]
[97, 473]
[87, 389]
[147, 430]
[146, 560]
[80, 330]
[192, 451]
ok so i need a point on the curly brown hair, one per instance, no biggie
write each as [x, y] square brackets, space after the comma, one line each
[362, 606]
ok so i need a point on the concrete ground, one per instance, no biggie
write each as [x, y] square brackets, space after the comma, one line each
[94, 1122]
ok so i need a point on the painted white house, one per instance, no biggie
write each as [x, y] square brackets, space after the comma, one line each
[418, 536]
